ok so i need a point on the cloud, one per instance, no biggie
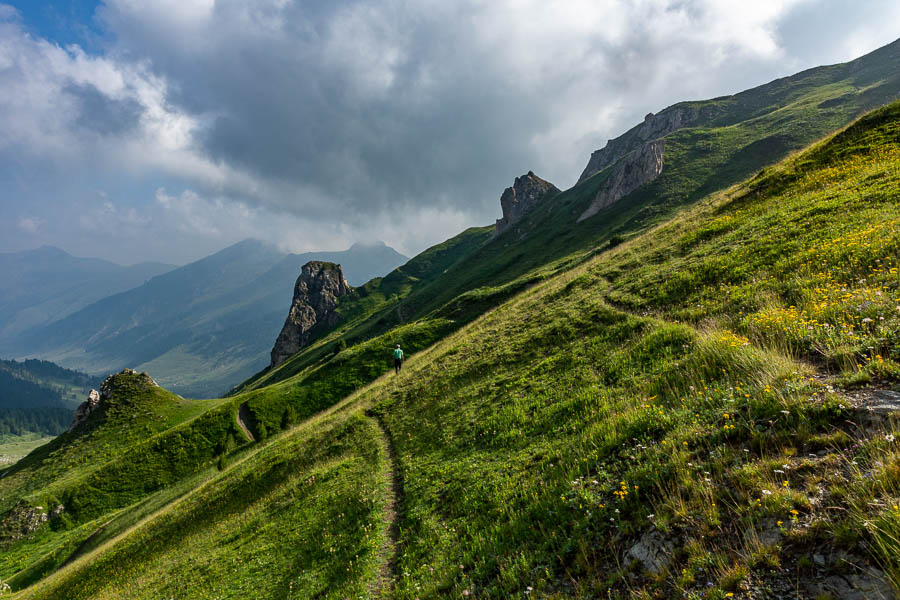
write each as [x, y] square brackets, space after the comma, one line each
[325, 123]
[29, 224]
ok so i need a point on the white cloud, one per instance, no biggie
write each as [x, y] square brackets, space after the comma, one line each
[29, 224]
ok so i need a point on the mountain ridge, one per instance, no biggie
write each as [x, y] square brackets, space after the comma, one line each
[656, 402]
[200, 328]
[676, 411]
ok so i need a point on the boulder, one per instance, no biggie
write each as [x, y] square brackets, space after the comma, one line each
[653, 550]
[21, 521]
[866, 584]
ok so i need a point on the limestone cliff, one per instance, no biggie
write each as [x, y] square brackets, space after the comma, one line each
[636, 157]
[316, 294]
[642, 166]
[653, 127]
[526, 193]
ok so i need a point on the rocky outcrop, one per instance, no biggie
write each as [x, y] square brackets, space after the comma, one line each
[23, 520]
[316, 296]
[96, 401]
[653, 551]
[635, 158]
[653, 128]
[85, 409]
[631, 172]
[526, 193]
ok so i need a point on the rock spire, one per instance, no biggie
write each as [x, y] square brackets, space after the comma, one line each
[316, 294]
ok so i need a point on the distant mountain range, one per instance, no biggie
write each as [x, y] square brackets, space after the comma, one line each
[199, 328]
[46, 284]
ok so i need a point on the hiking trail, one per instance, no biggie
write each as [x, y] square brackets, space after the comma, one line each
[244, 418]
[383, 583]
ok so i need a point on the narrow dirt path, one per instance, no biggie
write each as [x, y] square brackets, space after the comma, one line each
[383, 584]
[244, 418]
[85, 544]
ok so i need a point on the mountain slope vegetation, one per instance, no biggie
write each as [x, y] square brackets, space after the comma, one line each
[706, 409]
[691, 389]
[727, 140]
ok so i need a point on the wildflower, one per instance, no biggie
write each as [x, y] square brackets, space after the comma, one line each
[889, 437]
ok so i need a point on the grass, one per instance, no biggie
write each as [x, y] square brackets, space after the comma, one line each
[540, 442]
[302, 512]
[678, 383]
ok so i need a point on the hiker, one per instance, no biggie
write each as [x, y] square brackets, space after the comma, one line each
[398, 359]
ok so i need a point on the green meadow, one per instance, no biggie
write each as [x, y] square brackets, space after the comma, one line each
[694, 399]
[695, 381]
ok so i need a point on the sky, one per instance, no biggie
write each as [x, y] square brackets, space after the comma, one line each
[165, 130]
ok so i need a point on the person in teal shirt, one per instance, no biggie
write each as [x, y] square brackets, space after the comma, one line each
[398, 359]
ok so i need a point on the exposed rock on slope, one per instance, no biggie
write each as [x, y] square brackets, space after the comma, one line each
[85, 409]
[316, 295]
[642, 166]
[653, 127]
[23, 520]
[527, 192]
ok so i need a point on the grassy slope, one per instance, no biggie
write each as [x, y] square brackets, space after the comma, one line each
[298, 517]
[449, 273]
[739, 135]
[539, 442]
[453, 283]
[519, 436]
[146, 440]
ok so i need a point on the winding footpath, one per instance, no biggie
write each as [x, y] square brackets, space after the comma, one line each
[243, 419]
[382, 585]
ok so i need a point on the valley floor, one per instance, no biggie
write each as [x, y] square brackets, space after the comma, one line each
[14, 447]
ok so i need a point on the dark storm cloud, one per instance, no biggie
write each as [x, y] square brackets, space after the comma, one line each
[321, 123]
[373, 108]
[98, 113]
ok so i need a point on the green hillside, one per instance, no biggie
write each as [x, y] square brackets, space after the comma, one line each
[731, 138]
[683, 415]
